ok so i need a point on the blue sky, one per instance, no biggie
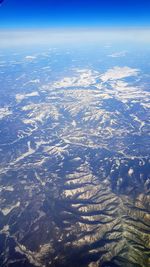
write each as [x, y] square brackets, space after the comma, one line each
[74, 13]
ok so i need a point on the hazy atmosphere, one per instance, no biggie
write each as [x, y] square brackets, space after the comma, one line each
[74, 133]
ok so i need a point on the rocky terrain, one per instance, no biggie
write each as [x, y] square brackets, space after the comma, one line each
[74, 169]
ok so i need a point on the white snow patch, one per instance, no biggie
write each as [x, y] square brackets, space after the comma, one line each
[30, 57]
[84, 78]
[7, 210]
[130, 172]
[4, 112]
[20, 97]
[117, 73]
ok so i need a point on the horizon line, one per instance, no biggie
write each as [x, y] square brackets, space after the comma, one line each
[104, 27]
